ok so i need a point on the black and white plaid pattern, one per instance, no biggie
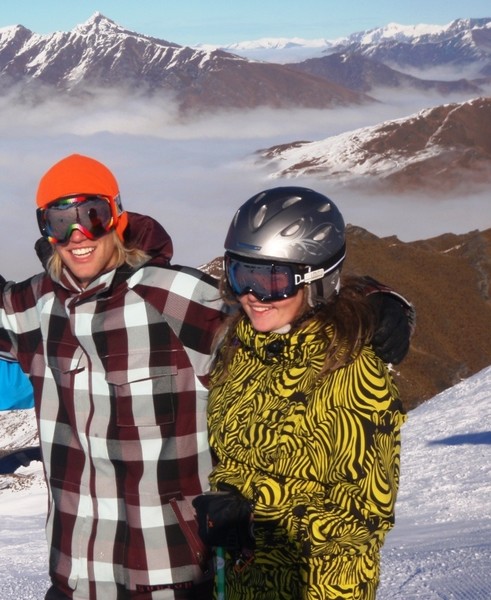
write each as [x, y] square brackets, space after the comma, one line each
[119, 372]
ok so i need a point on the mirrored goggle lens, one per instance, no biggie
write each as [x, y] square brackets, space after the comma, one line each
[263, 280]
[92, 215]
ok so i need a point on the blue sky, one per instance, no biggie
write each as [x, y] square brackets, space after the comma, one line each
[189, 22]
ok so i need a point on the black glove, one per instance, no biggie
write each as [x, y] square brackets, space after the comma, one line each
[224, 519]
[393, 329]
[395, 321]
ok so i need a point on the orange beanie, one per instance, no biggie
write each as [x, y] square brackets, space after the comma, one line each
[77, 174]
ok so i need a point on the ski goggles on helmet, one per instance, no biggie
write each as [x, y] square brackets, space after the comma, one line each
[267, 280]
[90, 214]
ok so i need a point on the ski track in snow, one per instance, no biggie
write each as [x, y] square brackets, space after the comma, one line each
[439, 549]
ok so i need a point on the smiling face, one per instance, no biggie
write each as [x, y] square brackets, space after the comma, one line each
[85, 258]
[272, 316]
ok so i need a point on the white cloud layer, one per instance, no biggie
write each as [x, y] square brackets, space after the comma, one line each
[192, 175]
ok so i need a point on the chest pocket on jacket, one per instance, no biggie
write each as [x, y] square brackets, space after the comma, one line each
[65, 362]
[144, 395]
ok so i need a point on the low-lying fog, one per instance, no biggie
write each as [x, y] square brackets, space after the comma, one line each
[192, 176]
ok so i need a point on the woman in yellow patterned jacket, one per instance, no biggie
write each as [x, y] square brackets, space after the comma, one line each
[303, 417]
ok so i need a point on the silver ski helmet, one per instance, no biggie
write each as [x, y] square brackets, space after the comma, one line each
[293, 225]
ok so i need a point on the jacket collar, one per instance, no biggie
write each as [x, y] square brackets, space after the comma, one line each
[295, 347]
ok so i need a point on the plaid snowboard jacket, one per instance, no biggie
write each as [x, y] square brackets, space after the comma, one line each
[119, 373]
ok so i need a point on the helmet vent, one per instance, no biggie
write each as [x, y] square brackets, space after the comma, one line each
[258, 219]
[322, 233]
[291, 229]
[291, 201]
[324, 208]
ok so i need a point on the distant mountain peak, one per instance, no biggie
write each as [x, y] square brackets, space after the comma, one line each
[98, 23]
[99, 19]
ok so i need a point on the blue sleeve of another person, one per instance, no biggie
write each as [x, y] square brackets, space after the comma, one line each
[15, 387]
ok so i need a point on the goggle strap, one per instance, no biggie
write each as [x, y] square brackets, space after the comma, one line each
[309, 276]
[118, 204]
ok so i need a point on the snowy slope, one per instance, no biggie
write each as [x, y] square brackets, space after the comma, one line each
[439, 549]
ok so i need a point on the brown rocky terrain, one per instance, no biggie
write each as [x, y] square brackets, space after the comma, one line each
[447, 278]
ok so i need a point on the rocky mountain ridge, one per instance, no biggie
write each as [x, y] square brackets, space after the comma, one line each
[462, 43]
[438, 150]
[368, 75]
[444, 59]
[99, 54]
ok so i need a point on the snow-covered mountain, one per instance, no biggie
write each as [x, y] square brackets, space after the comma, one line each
[278, 50]
[462, 43]
[439, 548]
[99, 54]
[440, 149]
[447, 58]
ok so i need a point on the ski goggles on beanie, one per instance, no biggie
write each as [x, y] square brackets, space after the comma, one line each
[90, 214]
[267, 280]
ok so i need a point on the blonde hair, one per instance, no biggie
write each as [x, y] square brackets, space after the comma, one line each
[131, 256]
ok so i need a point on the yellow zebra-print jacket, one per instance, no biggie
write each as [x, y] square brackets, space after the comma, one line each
[320, 457]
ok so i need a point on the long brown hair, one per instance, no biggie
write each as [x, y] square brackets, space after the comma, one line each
[346, 319]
